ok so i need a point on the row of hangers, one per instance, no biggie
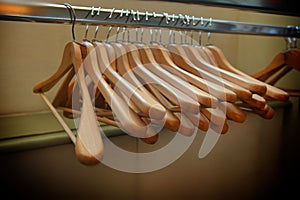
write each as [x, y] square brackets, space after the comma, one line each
[142, 88]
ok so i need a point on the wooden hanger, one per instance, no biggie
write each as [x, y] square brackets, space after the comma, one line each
[210, 113]
[89, 146]
[198, 61]
[140, 99]
[126, 118]
[277, 63]
[181, 59]
[119, 63]
[150, 63]
[184, 125]
[185, 119]
[124, 69]
[174, 95]
[162, 56]
[292, 61]
[271, 93]
[166, 63]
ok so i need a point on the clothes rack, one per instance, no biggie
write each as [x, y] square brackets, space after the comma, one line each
[58, 13]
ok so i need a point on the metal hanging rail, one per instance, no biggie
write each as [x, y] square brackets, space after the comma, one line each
[58, 13]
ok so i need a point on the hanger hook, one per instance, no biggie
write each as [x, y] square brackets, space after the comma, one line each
[142, 35]
[117, 34]
[166, 15]
[171, 34]
[200, 38]
[187, 18]
[160, 36]
[73, 19]
[192, 37]
[108, 33]
[97, 27]
[136, 35]
[209, 34]
[86, 32]
[128, 35]
[147, 16]
[138, 15]
[96, 32]
[111, 13]
[133, 15]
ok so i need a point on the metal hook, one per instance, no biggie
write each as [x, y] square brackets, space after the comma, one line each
[133, 15]
[96, 32]
[154, 14]
[86, 32]
[72, 18]
[124, 31]
[151, 35]
[111, 13]
[173, 18]
[136, 35]
[187, 17]
[181, 40]
[185, 37]
[117, 34]
[201, 21]
[193, 21]
[147, 15]
[170, 35]
[142, 35]
[209, 34]
[97, 27]
[108, 33]
[160, 36]
[137, 15]
[166, 15]
[92, 11]
[200, 38]
[121, 14]
[180, 16]
[192, 37]
[99, 10]
[210, 22]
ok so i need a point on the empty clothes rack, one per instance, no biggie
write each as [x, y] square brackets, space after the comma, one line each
[57, 13]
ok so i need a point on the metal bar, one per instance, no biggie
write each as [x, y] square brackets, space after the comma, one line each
[58, 13]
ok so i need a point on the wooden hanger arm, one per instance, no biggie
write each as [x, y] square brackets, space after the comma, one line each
[140, 99]
[205, 85]
[173, 79]
[292, 58]
[199, 62]
[127, 119]
[271, 93]
[179, 58]
[65, 65]
[89, 145]
[61, 96]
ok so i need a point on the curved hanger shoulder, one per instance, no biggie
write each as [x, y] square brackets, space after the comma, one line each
[140, 99]
[126, 118]
[197, 59]
[271, 93]
[163, 57]
[173, 94]
[65, 65]
[89, 145]
[181, 59]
